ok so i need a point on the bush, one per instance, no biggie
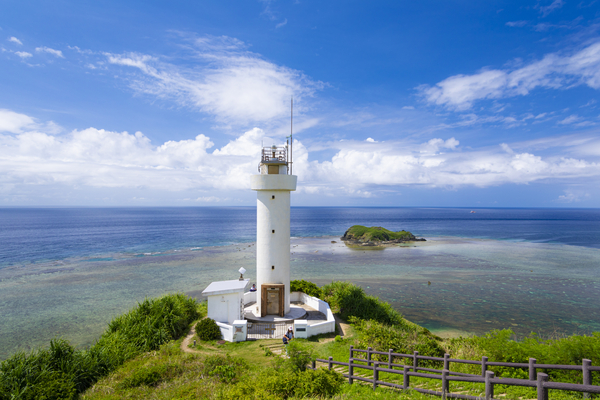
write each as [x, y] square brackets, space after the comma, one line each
[299, 356]
[405, 338]
[503, 346]
[320, 382]
[306, 287]
[226, 369]
[350, 300]
[281, 383]
[143, 377]
[207, 329]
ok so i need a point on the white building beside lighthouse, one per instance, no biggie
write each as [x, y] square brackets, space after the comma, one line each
[273, 186]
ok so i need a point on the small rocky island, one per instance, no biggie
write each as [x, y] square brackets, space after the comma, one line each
[359, 235]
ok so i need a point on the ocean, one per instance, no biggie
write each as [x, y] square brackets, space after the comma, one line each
[65, 272]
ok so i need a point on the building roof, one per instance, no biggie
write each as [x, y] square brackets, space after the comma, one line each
[224, 287]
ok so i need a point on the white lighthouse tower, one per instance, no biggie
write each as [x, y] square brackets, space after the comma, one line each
[273, 186]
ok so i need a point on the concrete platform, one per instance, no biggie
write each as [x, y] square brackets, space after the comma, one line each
[296, 312]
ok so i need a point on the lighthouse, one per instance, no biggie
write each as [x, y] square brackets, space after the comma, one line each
[273, 185]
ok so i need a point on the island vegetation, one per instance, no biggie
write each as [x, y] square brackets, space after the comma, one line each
[376, 236]
[142, 355]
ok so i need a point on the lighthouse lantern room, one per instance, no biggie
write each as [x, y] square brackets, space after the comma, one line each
[273, 186]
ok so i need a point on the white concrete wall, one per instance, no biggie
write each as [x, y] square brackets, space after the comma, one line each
[235, 332]
[318, 304]
[249, 297]
[226, 308]
[226, 331]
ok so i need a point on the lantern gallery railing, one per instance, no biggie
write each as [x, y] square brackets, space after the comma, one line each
[536, 379]
[274, 154]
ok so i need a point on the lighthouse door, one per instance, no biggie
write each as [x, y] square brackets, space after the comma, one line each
[272, 299]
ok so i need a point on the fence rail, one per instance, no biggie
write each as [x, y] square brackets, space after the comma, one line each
[538, 380]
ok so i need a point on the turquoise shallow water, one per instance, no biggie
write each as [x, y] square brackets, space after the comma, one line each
[450, 285]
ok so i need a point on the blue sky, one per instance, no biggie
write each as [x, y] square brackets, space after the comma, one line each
[428, 103]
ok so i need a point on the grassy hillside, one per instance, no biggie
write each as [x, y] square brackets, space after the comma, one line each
[140, 356]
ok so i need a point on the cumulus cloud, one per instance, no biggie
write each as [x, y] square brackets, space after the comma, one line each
[226, 81]
[13, 122]
[15, 40]
[23, 54]
[55, 53]
[554, 71]
[32, 156]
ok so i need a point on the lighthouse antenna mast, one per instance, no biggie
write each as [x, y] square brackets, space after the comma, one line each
[291, 134]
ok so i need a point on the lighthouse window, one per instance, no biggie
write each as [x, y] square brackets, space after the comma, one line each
[273, 231]
[272, 267]
[273, 197]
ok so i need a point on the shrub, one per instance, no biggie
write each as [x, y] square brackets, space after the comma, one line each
[299, 355]
[503, 346]
[143, 377]
[207, 329]
[320, 382]
[405, 338]
[306, 287]
[281, 383]
[351, 300]
[226, 369]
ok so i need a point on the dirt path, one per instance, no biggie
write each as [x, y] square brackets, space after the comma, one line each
[188, 339]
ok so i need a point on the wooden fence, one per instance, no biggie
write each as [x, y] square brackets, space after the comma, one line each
[538, 380]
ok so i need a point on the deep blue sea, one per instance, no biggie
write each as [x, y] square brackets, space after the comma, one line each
[66, 272]
[29, 235]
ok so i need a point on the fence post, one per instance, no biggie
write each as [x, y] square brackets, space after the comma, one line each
[445, 383]
[542, 392]
[406, 377]
[390, 351]
[532, 362]
[350, 370]
[369, 356]
[330, 362]
[314, 364]
[375, 374]
[489, 386]
[351, 351]
[415, 361]
[484, 361]
[446, 362]
[587, 375]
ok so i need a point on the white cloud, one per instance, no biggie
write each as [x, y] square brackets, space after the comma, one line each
[23, 54]
[570, 120]
[554, 71]
[571, 196]
[516, 23]
[408, 108]
[279, 25]
[15, 40]
[226, 81]
[545, 10]
[55, 53]
[32, 156]
[13, 122]
[371, 140]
